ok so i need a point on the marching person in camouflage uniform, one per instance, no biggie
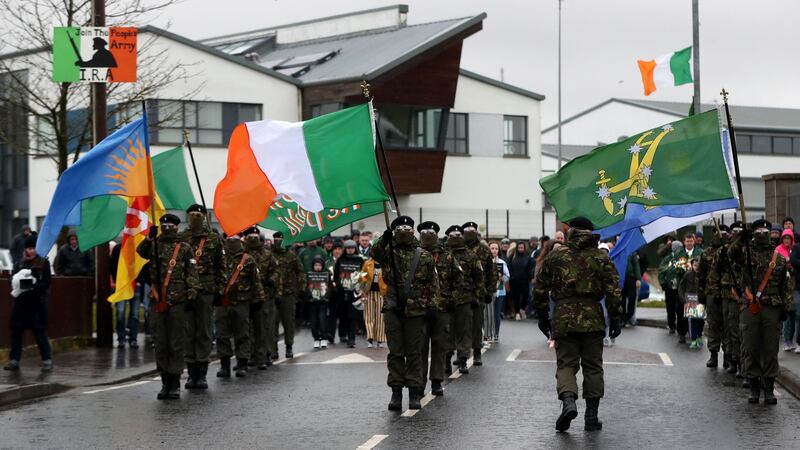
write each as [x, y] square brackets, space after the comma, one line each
[207, 250]
[712, 300]
[242, 288]
[291, 283]
[764, 310]
[577, 277]
[413, 288]
[724, 281]
[175, 289]
[262, 319]
[481, 250]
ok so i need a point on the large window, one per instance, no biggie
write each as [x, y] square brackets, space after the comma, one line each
[324, 108]
[411, 127]
[14, 132]
[455, 137]
[515, 135]
[207, 123]
[765, 144]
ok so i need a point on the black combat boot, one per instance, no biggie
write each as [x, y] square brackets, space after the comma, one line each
[191, 380]
[726, 361]
[162, 394]
[289, 353]
[200, 382]
[241, 367]
[448, 363]
[733, 366]
[225, 368]
[590, 420]
[755, 390]
[414, 397]
[476, 357]
[396, 403]
[713, 360]
[436, 387]
[274, 356]
[462, 365]
[251, 363]
[174, 386]
[262, 366]
[568, 410]
[269, 360]
[769, 392]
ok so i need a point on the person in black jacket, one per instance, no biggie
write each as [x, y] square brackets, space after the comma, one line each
[349, 264]
[71, 261]
[30, 284]
[520, 267]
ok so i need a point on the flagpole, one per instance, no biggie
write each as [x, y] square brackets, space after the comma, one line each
[696, 54]
[196, 176]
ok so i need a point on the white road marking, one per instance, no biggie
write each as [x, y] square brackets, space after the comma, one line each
[350, 358]
[665, 359]
[610, 363]
[121, 386]
[514, 354]
[283, 360]
[316, 363]
[157, 378]
[427, 399]
[777, 394]
[372, 442]
[409, 413]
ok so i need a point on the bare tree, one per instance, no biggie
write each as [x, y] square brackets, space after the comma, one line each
[57, 116]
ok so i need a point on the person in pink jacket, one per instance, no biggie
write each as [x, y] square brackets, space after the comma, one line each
[784, 249]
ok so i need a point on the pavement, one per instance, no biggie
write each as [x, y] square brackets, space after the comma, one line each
[659, 394]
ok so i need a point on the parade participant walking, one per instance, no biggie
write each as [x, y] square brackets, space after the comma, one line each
[578, 277]
[669, 274]
[175, 289]
[711, 300]
[520, 266]
[722, 284]
[319, 287]
[242, 288]
[502, 281]
[413, 288]
[206, 247]
[30, 284]
[373, 290]
[345, 273]
[764, 309]
[481, 250]
[262, 310]
[291, 281]
[688, 289]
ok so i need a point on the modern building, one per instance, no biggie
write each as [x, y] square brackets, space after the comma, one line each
[460, 146]
[768, 139]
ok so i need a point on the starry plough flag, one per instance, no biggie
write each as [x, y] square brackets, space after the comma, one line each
[682, 163]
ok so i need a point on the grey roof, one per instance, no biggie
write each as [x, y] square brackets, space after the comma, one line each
[756, 118]
[362, 55]
[502, 85]
[568, 152]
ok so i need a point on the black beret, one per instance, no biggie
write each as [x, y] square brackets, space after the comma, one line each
[251, 230]
[30, 241]
[170, 218]
[277, 235]
[196, 208]
[738, 224]
[581, 223]
[761, 223]
[453, 228]
[724, 228]
[428, 225]
[337, 243]
[470, 225]
[402, 220]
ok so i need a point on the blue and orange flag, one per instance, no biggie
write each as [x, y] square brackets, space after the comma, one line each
[119, 165]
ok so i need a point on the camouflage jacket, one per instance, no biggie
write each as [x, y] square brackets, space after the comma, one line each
[466, 280]
[443, 261]
[577, 277]
[703, 272]
[778, 291]
[486, 260]
[291, 278]
[424, 291]
[720, 278]
[268, 271]
[247, 287]
[210, 263]
[184, 282]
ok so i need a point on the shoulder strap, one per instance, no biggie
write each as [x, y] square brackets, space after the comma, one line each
[235, 274]
[199, 252]
[172, 263]
[764, 281]
[412, 270]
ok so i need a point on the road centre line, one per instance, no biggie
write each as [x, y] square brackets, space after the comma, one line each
[121, 386]
[514, 354]
[430, 397]
[372, 442]
[666, 359]
[610, 363]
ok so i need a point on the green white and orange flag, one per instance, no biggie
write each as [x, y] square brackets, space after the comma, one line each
[672, 69]
[94, 54]
[324, 163]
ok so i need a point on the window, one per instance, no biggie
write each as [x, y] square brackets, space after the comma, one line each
[762, 144]
[743, 142]
[207, 123]
[455, 137]
[411, 127]
[782, 145]
[796, 145]
[324, 108]
[515, 135]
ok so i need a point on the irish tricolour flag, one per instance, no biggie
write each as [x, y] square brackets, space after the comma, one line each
[671, 69]
[323, 163]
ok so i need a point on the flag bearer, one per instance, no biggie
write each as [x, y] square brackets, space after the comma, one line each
[472, 239]
[262, 312]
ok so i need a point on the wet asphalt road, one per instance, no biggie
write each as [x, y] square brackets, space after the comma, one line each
[337, 399]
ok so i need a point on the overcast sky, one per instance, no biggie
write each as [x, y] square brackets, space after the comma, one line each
[749, 47]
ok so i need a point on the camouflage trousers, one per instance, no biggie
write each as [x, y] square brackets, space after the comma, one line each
[461, 325]
[714, 324]
[761, 334]
[477, 326]
[732, 337]
[198, 329]
[577, 351]
[405, 337]
[285, 314]
[233, 330]
[259, 330]
[438, 338]
[169, 337]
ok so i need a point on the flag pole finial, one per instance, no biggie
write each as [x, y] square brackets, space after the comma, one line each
[365, 88]
[724, 95]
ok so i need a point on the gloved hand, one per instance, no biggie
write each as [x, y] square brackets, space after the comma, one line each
[544, 323]
[430, 314]
[384, 240]
[189, 306]
[256, 307]
[717, 300]
[783, 315]
[614, 329]
[153, 232]
[474, 304]
[449, 306]
[488, 299]
[217, 300]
